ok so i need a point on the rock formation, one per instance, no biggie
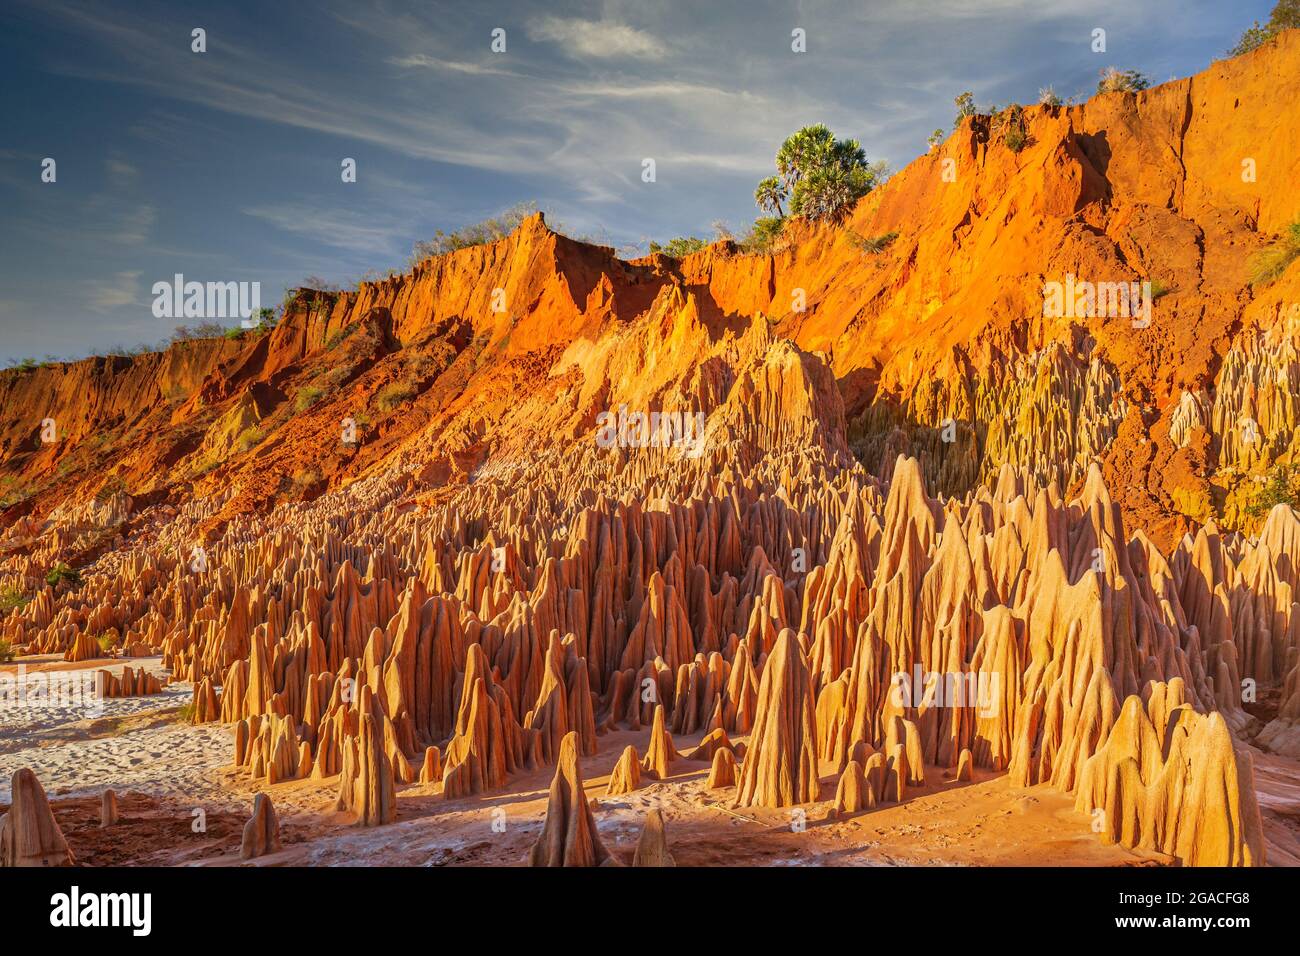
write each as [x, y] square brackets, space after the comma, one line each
[569, 836]
[431, 768]
[130, 683]
[626, 775]
[660, 752]
[29, 834]
[780, 767]
[108, 814]
[262, 831]
[367, 787]
[1170, 779]
[652, 848]
[853, 793]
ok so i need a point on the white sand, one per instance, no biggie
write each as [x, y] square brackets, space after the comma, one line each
[78, 745]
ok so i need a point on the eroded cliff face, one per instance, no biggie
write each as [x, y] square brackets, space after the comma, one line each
[1123, 188]
[439, 529]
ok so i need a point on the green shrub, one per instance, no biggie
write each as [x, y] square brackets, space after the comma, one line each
[679, 247]
[204, 330]
[11, 599]
[249, 439]
[1115, 80]
[1286, 15]
[477, 234]
[1268, 265]
[965, 103]
[875, 244]
[307, 396]
[12, 491]
[764, 235]
[1281, 489]
[821, 176]
[6, 651]
[307, 478]
[390, 396]
[1011, 123]
[61, 573]
[109, 488]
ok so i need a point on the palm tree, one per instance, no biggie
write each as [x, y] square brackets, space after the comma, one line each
[769, 195]
[803, 151]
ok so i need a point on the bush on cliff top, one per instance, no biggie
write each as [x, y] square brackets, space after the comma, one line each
[820, 176]
[1115, 80]
[1285, 16]
[679, 247]
[476, 234]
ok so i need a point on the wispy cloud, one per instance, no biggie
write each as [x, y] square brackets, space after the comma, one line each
[120, 172]
[341, 228]
[426, 62]
[121, 289]
[120, 221]
[598, 38]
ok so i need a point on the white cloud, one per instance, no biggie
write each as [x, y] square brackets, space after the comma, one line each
[651, 90]
[119, 171]
[333, 227]
[597, 38]
[426, 62]
[122, 289]
[121, 222]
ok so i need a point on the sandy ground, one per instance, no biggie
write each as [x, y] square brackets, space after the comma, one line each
[182, 803]
[76, 745]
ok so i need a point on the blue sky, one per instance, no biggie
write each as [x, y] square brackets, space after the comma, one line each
[225, 165]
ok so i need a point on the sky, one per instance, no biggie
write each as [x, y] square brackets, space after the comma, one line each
[226, 165]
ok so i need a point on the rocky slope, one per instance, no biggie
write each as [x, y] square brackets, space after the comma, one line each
[425, 529]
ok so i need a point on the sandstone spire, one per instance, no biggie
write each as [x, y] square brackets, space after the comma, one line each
[626, 775]
[569, 836]
[262, 831]
[29, 834]
[780, 767]
[652, 848]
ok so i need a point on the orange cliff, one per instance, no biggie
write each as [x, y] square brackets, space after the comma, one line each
[403, 488]
[945, 324]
